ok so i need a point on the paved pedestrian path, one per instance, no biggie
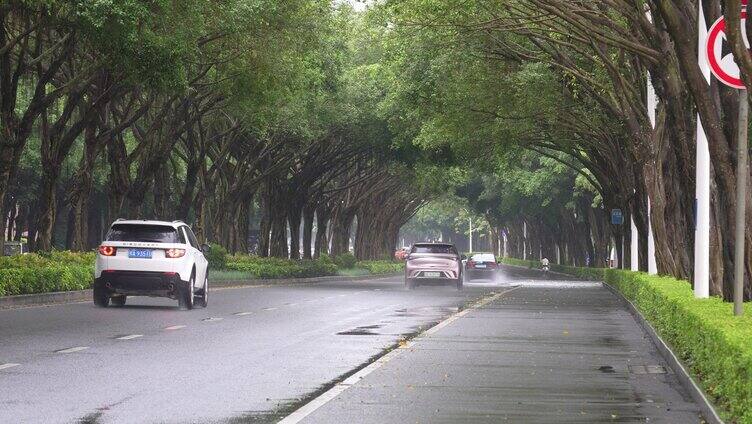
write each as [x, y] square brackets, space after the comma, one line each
[537, 354]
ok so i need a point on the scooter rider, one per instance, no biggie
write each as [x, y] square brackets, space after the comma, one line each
[544, 264]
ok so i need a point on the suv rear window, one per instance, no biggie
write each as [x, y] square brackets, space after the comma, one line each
[143, 233]
[434, 248]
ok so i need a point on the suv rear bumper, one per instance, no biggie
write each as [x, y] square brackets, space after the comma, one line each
[141, 283]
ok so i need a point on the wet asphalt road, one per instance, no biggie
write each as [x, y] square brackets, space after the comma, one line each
[257, 354]
[543, 352]
[251, 356]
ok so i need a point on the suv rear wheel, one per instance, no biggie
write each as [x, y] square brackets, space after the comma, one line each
[118, 300]
[185, 297]
[101, 296]
[203, 297]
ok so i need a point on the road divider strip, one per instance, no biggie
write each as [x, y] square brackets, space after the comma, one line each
[79, 296]
[321, 400]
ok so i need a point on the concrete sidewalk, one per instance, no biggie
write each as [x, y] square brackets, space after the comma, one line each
[538, 354]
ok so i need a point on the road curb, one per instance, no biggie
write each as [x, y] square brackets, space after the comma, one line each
[41, 299]
[681, 372]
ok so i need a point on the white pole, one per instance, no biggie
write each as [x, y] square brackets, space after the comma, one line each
[702, 189]
[652, 265]
[634, 247]
[558, 255]
[471, 235]
[652, 101]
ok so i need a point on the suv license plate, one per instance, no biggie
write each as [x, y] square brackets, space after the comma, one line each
[139, 253]
[480, 266]
[432, 274]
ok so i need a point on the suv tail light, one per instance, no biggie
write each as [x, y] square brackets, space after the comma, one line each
[175, 253]
[492, 264]
[107, 250]
[470, 264]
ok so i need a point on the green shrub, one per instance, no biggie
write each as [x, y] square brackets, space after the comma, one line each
[381, 267]
[281, 268]
[217, 257]
[46, 272]
[346, 261]
[520, 262]
[45, 279]
[61, 258]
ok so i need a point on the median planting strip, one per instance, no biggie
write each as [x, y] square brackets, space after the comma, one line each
[44, 299]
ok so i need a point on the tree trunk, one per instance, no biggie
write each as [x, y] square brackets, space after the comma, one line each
[308, 217]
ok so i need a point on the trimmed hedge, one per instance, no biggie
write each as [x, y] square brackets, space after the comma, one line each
[45, 279]
[714, 344]
[281, 268]
[381, 267]
[46, 272]
[67, 271]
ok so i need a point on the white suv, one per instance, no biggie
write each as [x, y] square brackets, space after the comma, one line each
[151, 258]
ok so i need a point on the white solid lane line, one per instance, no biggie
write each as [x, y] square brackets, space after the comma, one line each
[130, 337]
[72, 349]
[8, 365]
[174, 327]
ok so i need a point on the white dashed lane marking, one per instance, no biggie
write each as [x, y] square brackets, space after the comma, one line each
[242, 314]
[174, 327]
[8, 365]
[212, 319]
[269, 309]
[72, 349]
[130, 337]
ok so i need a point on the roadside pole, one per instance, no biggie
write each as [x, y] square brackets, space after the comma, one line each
[701, 280]
[634, 246]
[652, 103]
[471, 236]
[741, 203]
[728, 73]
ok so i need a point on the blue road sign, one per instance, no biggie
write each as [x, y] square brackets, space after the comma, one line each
[617, 217]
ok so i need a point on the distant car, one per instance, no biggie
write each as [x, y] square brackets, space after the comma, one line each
[151, 258]
[481, 266]
[433, 263]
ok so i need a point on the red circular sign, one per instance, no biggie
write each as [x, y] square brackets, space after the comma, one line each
[724, 68]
